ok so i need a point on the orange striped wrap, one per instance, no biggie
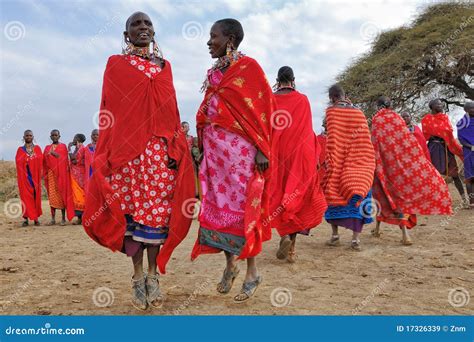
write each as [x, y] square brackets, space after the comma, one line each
[350, 155]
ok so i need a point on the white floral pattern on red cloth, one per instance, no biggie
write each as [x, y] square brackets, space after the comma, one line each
[146, 184]
[149, 68]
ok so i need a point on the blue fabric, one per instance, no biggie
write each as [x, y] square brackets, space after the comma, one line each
[466, 134]
[92, 149]
[142, 231]
[30, 176]
[227, 242]
[365, 211]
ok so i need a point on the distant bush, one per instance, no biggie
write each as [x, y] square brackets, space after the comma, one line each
[8, 183]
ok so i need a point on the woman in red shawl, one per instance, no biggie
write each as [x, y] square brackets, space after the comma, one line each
[57, 178]
[142, 172]
[234, 131]
[29, 169]
[442, 144]
[77, 165]
[297, 203]
[190, 141]
[89, 156]
[322, 141]
[405, 182]
[350, 168]
[417, 133]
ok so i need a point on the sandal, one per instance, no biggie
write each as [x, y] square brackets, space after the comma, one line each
[406, 241]
[78, 222]
[334, 241]
[24, 224]
[284, 248]
[291, 258]
[63, 223]
[37, 223]
[225, 285]
[248, 290]
[139, 294]
[355, 245]
[52, 223]
[153, 293]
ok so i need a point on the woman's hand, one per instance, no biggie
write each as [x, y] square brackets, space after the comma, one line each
[199, 158]
[261, 162]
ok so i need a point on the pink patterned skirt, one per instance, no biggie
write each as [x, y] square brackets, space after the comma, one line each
[227, 166]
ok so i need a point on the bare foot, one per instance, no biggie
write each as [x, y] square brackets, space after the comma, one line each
[334, 241]
[376, 233]
[285, 244]
[406, 241]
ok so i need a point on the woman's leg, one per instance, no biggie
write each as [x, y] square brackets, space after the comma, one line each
[355, 243]
[138, 265]
[470, 191]
[53, 216]
[252, 272]
[376, 231]
[152, 252]
[405, 236]
[292, 253]
[154, 297]
[63, 219]
[459, 186]
[230, 259]
[284, 247]
[230, 273]
[334, 241]
[251, 282]
[139, 299]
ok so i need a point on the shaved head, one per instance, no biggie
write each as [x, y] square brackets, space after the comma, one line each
[384, 102]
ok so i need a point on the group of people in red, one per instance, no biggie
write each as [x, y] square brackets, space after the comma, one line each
[258, 162]
[65, 170]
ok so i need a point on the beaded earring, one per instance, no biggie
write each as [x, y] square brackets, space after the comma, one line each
[128, 47]
[229, 49]
[156, 50]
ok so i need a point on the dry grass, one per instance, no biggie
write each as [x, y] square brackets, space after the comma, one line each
[8, 184]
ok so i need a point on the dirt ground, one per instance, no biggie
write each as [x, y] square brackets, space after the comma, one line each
[61, 271]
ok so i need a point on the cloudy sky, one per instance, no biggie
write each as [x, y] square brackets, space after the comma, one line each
[53, 53]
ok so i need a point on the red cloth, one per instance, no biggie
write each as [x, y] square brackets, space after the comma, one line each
[88, 158]
[135, 108]
[245, 106]
[60, 167]
[438, 125]
[297, 202]
[322, 140]
[78, 169]
[350, 155]
[408, 180]
[31, 204]
[422, 141]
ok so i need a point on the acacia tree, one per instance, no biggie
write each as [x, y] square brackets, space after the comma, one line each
[432, 57]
